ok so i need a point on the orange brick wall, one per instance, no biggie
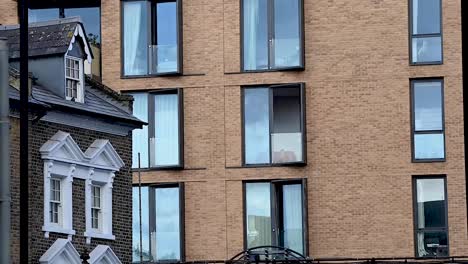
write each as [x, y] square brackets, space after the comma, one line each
[8, 12]
[359, 166]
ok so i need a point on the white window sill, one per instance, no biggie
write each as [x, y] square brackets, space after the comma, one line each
[94, 234]
[57, 229]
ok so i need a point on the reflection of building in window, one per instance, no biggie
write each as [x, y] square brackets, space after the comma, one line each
[90, 16]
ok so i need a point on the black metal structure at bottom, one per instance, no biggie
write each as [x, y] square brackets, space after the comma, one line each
[280, 255]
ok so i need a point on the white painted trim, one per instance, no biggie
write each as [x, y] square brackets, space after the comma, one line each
[64, 159]
[79, 32]
[62, 248]
[80, 88]
[103, 253]
[64, 172]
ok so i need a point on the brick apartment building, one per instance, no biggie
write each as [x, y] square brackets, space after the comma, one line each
[334, 128]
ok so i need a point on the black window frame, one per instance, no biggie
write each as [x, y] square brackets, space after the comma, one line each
[151, 37]
[270, 18]
[301, 86]
[275, 212]
[415, 212]
[152, 215]
[150, 110]
[413, 129]
[412, 36]
[151, 125]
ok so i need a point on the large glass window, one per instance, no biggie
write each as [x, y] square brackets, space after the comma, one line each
[160, 144]
[430, 207]
[275, 214]
[272, 34]
[428, 120]
[162, 223]
[426, 32]
[274, 124]
[151, 37]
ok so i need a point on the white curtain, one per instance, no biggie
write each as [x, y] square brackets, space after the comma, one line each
[133, 20]
[166, 123]
[251, 25]
[415, 16]
[140, 136]
[292, 217]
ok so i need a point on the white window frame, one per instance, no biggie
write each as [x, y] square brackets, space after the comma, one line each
[103, 179]
[63, 172]
[63, 158]
[79, 88]
[97, 208]
[57, 202]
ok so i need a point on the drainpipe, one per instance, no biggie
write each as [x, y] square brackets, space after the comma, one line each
[5, 195]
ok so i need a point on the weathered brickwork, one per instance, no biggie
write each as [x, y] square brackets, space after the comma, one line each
[40, 133]
[359, 167]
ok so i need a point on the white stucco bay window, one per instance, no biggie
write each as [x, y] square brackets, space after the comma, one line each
[64, 161]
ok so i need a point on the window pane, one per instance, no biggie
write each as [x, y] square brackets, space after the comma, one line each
[427, 49]
[136, 37]
[426, 16]
[140, 136]
[91, 18]
[145, 224]
[38, 15]
[165, 145]
[429, 146]
[257, 126]
[258, 214]
[165, 52]
[287, 30]
[167, 224]
[286, 139]
[431, 203]
[428, 106]
[255, 34]
[432, 244]
[292, 217]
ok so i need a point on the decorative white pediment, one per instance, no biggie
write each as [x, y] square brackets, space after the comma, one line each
[103, 255]
[62, 147]
[79, 32]
[63, 159]
[102, 153]
[61, 252]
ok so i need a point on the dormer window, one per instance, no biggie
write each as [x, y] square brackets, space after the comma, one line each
[73, 79]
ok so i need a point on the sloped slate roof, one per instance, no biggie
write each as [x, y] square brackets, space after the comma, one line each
[92, 103]
[45, 38]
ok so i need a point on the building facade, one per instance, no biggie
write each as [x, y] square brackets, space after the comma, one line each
[335, 128]
[80, 152]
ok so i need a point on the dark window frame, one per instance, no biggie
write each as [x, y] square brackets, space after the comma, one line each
[150, 19]
[151, 125]
[270, 18]
[412, 36]
[301, 86]
[413, 129]
[415, 178]
[275, 213]
[152, 214]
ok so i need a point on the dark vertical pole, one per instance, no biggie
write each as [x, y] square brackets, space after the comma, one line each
[5, 194]
[139, 210]
[464, 28]
[24, 162]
